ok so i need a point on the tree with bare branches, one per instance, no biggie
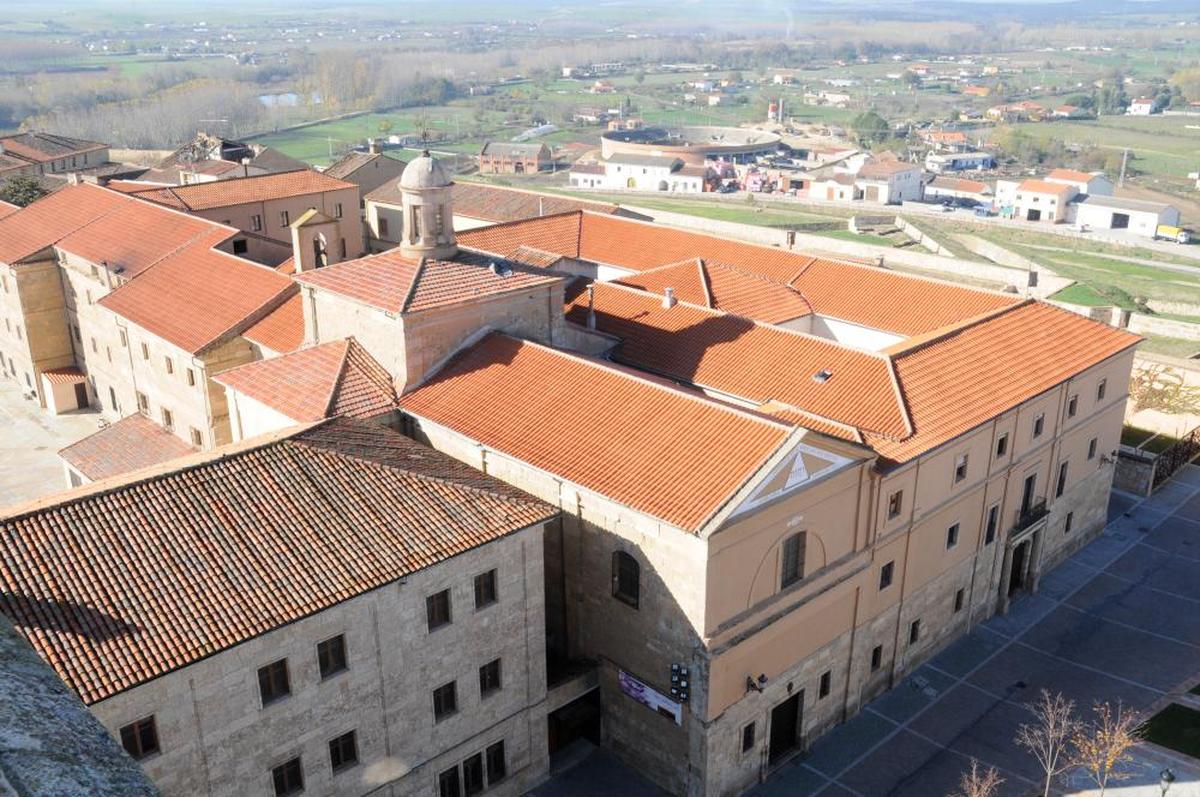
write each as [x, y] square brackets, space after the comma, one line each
[1103, 746]
[1048, 737]
[978, 782]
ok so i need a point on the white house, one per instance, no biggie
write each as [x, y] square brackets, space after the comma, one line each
[641, 173]
[887, 179]
[1142, 106]
[1034, 200]
[956, 188]
[939, 162]
[1091, 183]
[1134, 215]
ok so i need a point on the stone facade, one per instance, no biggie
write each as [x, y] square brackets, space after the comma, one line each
[217, 737]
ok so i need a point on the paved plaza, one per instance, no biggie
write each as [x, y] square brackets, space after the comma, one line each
[30, 439]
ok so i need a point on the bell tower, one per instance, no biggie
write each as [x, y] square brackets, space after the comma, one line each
[428, 210]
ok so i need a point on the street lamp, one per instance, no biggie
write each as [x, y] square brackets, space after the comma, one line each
[1165, 780]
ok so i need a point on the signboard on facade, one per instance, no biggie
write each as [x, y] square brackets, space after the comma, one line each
[649, 697]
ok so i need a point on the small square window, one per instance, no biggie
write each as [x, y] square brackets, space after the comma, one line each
[331, 656]
[1039, 425]
[876, 658]
[885, 575]
[895, 504]
[489, 678]
[497, 766]
[824, 684]
[959, 598]
[437, 609]
[952, 536]
[273, 682]
[445, 701]
[1072, 406]
[1002, 445]
[960, 468]
[914, 632]
[140, 739]
[288, 778]
[240, 247]
[1101, 389]
[343, 752]
[485, 589]
[747, 737]
[1092, 448]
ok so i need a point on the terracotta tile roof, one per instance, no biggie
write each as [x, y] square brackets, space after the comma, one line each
[282, 329]
[1043, 187]
[197, 297]
[882, 167]
[958, 184]
[967, 377]
[52, 218]
[7, 209]
[668, 453]
[866, 295]
[351, 162]
[130, 444]
[68, 375]
[46, 147]
[126, 579]
[336, 378]
[1071, 175]
[945, 136]
[753, 361]
[242, 190]
[726, 288]
[394, 283]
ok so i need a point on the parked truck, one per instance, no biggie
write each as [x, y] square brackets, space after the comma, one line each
[1179, 235]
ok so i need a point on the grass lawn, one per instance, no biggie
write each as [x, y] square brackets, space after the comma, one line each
[1082, 294]
[860, 238]
[1159, 443]
[1133, 436]
[1176, 727]
[1102, 274]
[1172, 347]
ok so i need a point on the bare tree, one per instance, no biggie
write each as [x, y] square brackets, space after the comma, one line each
[1103, 746]
[1047, 738]
[978, 783]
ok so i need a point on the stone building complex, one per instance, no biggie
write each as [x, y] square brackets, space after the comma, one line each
[728, 492]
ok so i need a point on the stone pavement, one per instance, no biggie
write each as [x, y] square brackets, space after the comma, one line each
[30, 439]
[1119, 620]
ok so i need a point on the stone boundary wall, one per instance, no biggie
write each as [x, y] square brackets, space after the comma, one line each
[921, 237]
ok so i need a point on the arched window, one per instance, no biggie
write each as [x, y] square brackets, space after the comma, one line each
[626, 578]
[319, 256]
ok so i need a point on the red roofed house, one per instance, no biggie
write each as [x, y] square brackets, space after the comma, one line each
[45, 153]
[1035, 200]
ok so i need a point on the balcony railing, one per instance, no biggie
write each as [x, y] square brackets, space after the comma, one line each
[1027, 516]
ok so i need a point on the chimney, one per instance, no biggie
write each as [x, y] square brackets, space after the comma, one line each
[669, 299]
[591, 316]
[245, 167]
[374, 146]
[541, 207]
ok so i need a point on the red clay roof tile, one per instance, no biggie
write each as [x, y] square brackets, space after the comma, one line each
[130, 444]
[241, 190]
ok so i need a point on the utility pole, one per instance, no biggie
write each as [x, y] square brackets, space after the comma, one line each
[1124, 160]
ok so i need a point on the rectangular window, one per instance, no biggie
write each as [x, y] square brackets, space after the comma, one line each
[489, 678]
[273, 682]
[288, 778]
[993, 524]
[143, 403]
[1092, 448]
[445, 701]
[95, 348]
[792, 566]
[383, 227]
[240, 247]
[626, 579]
[959, 597]
[1039, 425]
[885, 575]
[1101, 389]
[343, 752]
[168, 419]
[895, 504]
[89, 296]
[256, 223]
[437, 609]
[124, 339]
[960, 468]
[112, 400]
[1002, 445]
[449, 784]
[1027, 493]
[331, 656]
[1072, 406]
[342, 249]
[1068, 523]
[337, 210]
[485, 589]
[145, 352]
[472, 773]
[914, 632]
[497, 766]
[824, 684]
[748, 737]
[952, 536]
[197, 438]
[1061, 485]
[191, 378]
[876, 657]
[140, 739]
[170, 365]
[284, 219]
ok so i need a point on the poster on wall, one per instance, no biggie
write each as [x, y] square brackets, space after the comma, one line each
[649, 697]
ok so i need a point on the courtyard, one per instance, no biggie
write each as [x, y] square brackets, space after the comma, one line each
[30, 439]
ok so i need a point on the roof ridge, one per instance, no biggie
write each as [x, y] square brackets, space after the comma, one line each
[705, 282]
[789, 407]
[339, 375]
[908, 346]
[418, 272]
[257, 314]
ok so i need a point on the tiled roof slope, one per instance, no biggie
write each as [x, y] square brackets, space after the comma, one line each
[753, 361]
[1070, 174]
[1043, 187]
[45, 147]
[7, 209]
[130, 444]
[397, 284]
[865, 295]
[198, 296]
[726, 288]
[124, 580]
[493, 203]
[282, 329]
[52, 218]
[240, 190]
[959, 381]
[671, 454]
[336, 378]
